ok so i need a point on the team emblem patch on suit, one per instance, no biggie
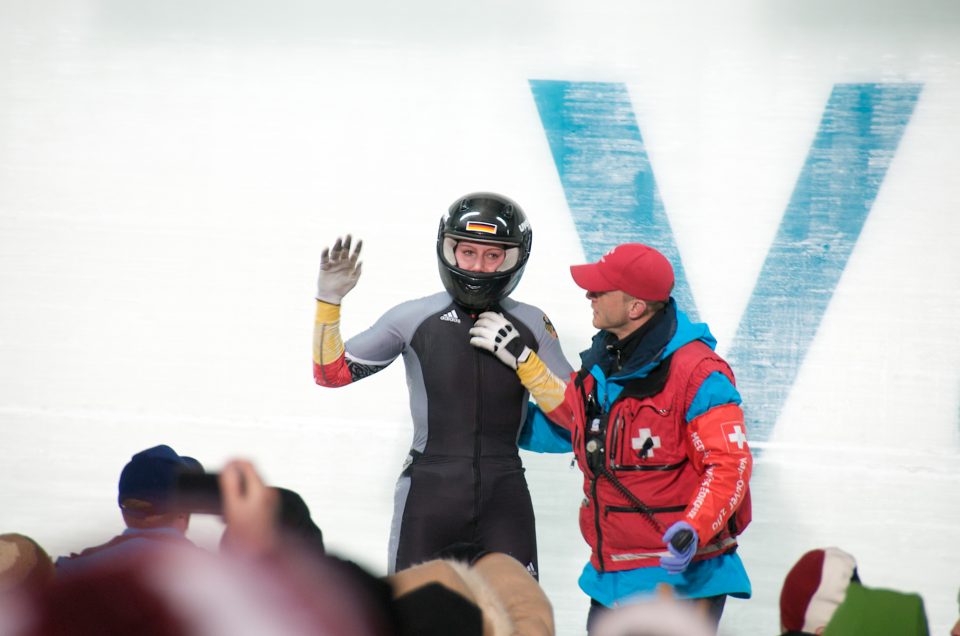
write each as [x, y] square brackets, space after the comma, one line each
[549, 326]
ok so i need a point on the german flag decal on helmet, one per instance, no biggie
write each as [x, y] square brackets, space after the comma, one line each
[486, 228]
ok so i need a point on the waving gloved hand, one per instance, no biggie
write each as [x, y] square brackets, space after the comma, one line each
[682, 541]
[339, 271]
[497, 335]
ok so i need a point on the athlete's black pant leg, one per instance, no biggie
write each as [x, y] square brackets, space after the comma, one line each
[506, 522]
[438, 511]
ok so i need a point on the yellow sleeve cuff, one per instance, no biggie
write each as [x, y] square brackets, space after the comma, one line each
[544, 385]
[327, 312]
[327, 342]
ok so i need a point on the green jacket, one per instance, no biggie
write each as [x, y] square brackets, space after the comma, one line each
[868, 612]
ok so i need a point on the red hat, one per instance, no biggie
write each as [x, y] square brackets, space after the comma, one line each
[813, 589]
[633, 268]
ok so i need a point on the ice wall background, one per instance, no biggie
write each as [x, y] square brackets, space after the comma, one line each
[169, 173]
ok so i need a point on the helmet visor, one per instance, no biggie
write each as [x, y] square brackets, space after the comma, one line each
[449, 248]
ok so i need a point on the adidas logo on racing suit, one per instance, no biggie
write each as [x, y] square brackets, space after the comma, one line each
[451, 316]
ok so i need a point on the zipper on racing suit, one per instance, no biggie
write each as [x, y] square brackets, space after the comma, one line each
[477, 435]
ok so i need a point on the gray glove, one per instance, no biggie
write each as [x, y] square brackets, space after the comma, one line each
[339, 271]
[497, 335]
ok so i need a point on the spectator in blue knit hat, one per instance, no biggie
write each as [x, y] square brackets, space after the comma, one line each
[145, 495]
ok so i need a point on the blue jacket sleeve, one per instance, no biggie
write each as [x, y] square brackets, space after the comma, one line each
[541, 435]
[715, 391]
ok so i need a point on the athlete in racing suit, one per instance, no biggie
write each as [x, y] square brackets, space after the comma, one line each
[463, 481]
[654, 420]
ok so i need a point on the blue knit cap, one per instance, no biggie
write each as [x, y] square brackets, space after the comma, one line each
[150, 476]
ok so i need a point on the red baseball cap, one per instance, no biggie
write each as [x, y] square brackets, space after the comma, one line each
[633, 268]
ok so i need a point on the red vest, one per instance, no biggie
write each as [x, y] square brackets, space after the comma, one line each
[649, 450]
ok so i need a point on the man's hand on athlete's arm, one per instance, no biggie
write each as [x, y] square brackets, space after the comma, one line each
[339, 270]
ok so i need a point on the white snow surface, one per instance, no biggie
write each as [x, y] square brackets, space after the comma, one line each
[170, 171]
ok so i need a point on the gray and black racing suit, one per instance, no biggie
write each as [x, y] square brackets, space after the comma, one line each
[463, 481]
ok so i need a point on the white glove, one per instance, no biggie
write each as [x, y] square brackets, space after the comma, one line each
[339, 271]
[497, 335]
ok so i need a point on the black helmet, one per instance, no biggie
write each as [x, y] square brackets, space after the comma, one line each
[483, 217]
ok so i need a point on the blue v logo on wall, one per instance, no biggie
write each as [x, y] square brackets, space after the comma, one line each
[612, 194]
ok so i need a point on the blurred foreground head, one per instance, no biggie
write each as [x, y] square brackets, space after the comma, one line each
[813, 590]
[660, 616]
[174, 591]
[23, 563]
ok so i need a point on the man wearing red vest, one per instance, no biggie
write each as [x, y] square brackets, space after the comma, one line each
[654, 420]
